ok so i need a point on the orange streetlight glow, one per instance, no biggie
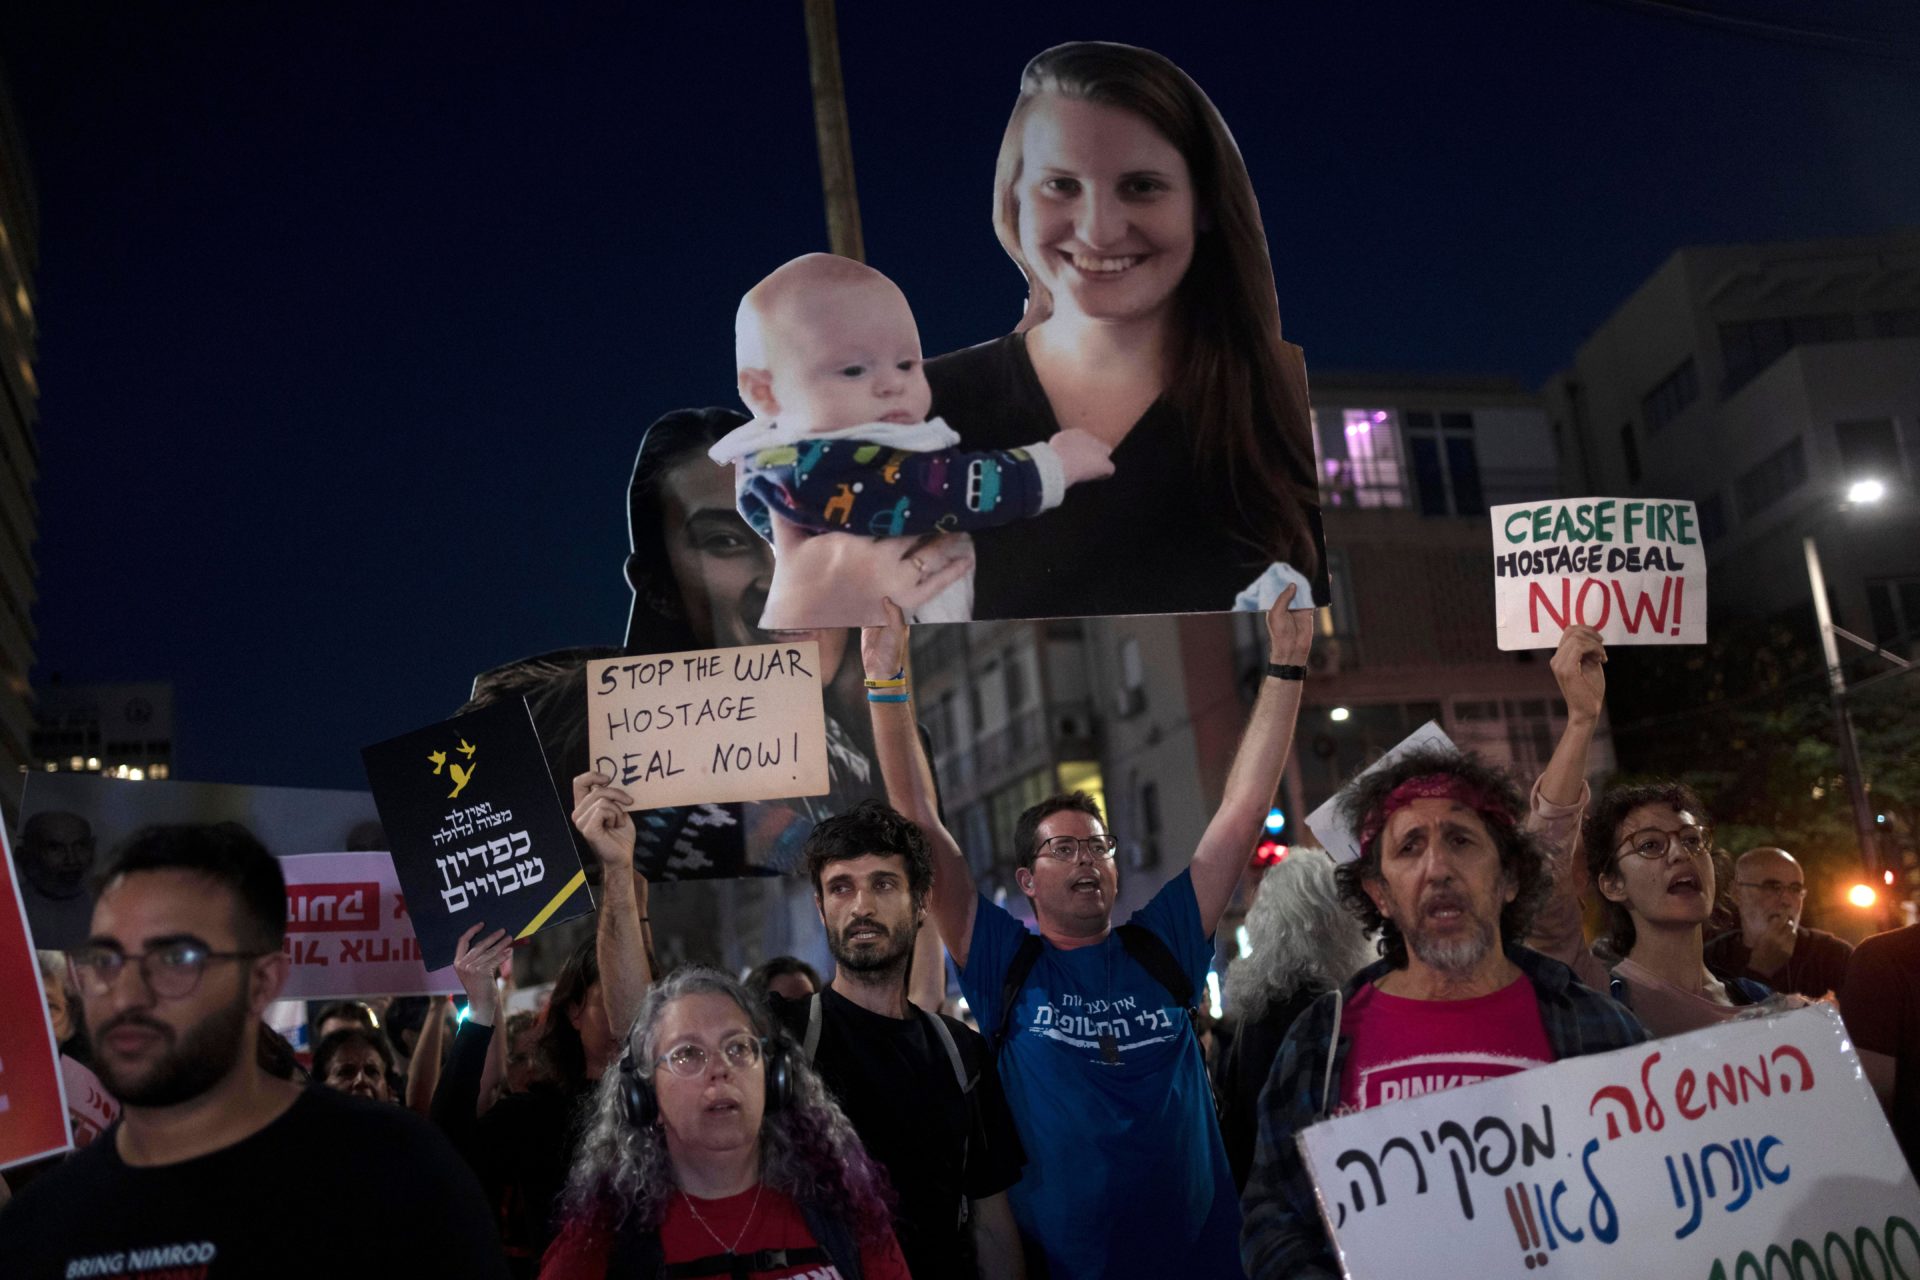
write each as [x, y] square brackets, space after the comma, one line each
[1862, 895]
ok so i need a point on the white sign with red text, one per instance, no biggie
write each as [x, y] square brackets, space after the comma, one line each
[1755, 1148]
[348, 933]
[1633, 569]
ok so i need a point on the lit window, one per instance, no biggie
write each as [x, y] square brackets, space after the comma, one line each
[1370, 475]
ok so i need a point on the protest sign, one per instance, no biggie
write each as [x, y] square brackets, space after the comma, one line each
[348, 933]
[1632, 569]
[476, 831]
[1751, 1149]
[72, 821]
[710, 726]
[1334, 835]
[33, 1092]
[89, 1106]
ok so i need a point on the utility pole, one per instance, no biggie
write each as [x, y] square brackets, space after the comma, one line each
[830, 130]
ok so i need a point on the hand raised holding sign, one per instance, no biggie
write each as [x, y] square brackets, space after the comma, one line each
[1289, 630]
[477, 964]
[1579, 664]
[883, 649]
[601, 814]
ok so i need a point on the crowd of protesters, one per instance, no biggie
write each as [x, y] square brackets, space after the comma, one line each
[798, 1124]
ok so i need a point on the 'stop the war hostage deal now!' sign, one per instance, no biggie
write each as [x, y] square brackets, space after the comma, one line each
[710, 726]
[1633, 569]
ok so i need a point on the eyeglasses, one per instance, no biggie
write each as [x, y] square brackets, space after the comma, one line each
[1654, 842]
[1792, 888]
[1067, 848]
[688, 1059]
[171, 972]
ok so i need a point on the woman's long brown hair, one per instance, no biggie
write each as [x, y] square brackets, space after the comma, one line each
[1231, 372]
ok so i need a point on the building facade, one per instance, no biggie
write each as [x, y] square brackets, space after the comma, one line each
[119, 730]
[19, 455]
[1762, 381]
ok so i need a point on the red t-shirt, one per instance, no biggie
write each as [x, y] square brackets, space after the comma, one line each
[1404, 1048]
[777, 1224]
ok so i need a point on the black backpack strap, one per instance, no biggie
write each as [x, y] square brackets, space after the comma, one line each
[1025, 956]
[744, 1266]
[1151, 954]
[836, 1240]
[636, 1252]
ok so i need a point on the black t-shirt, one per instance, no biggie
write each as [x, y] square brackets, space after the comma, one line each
[895, 1081]
[1880, 1001]
[521, 1149]
[1818, 964]
[1155, 537]
[1244, 1074]
[289, 1201]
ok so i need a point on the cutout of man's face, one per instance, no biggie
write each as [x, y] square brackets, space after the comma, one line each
[56, 853]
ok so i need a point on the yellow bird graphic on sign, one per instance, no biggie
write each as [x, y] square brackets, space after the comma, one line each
[462, 775]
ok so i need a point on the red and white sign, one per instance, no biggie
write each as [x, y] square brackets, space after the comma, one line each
[348, 933]
[89, 1104]
[33, 1094]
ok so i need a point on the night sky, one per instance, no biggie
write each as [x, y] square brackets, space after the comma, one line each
[351, 320]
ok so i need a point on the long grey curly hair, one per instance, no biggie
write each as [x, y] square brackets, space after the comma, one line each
[1299, 935]
[808, 1151]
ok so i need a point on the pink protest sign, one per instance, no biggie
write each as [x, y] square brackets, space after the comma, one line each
[348, 933]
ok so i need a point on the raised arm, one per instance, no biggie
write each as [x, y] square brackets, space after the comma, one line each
[601, 813]
[909, 780]
[1559, 801]
[927, 984]
[1229, 839]
[423, 1069]
[1579, 664]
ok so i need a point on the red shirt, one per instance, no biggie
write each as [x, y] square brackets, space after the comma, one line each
[1404, 1048]
[776, 1224]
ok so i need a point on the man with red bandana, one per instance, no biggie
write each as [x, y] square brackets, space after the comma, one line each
[1450, 877]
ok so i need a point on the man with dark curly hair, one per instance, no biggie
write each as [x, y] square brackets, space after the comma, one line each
[1451, 877]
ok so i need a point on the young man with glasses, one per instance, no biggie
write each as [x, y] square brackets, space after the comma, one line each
[1126, 1172]
[1771, 945]
[215, 1166]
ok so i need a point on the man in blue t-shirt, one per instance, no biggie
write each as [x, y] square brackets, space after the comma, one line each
[1126, 1173]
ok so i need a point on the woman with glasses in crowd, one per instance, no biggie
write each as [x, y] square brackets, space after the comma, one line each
[715, 1151]
[1649, 855]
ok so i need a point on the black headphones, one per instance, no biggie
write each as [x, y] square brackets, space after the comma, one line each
[642, 1105]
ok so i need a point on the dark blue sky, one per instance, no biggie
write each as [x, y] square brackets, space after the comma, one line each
[351, 320]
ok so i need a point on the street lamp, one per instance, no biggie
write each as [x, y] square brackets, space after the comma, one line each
[1860, 493]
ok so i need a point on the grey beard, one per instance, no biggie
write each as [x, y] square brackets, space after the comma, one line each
[1456, 955]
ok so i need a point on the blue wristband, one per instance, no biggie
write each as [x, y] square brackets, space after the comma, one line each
[886, 697]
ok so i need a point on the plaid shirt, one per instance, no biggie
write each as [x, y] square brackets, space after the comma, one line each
[1282, 1235]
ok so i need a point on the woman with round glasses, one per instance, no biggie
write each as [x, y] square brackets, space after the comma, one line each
[1650, 858]
[715, 1151]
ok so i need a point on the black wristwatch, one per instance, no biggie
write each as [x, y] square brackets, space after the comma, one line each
[1281, 671]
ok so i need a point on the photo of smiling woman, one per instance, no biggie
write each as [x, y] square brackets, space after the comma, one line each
[1151, 324]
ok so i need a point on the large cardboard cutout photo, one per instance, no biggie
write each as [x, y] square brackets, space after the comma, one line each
[1139, 444]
